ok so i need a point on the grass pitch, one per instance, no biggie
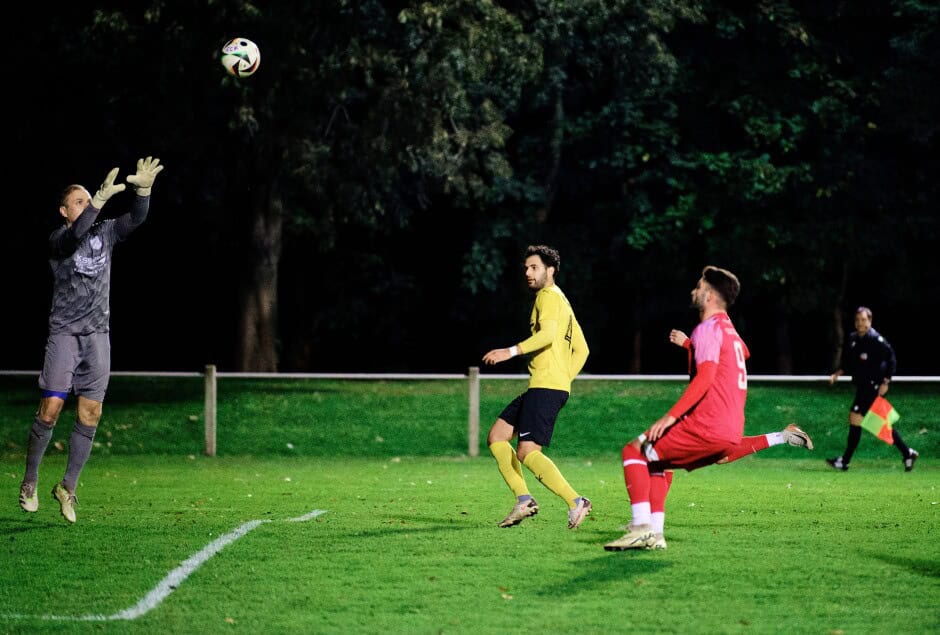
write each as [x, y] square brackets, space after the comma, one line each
[775, 543]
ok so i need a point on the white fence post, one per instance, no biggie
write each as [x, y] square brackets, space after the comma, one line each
[210, 414]
[473, 421]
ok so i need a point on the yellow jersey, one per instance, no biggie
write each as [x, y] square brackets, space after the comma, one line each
[557, 349]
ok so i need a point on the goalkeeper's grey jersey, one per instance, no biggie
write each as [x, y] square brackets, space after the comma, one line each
[81, 269]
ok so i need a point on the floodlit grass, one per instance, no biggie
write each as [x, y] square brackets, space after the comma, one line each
[774, 543]
[411, 545]
[429, 418]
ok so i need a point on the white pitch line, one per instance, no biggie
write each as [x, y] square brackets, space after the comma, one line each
[308, 516]
[174, 578]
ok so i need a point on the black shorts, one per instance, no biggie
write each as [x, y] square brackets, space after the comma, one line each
[533, 414]
[864, 397]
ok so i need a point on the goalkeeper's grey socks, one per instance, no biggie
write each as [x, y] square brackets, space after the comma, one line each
[79, 451]
[39, 436]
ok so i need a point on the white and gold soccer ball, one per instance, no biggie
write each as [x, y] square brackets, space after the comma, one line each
[241, 57]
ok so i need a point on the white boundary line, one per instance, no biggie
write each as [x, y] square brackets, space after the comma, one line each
[173, 579]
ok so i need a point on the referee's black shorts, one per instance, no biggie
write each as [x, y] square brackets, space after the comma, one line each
[865, 394]
[533, 414]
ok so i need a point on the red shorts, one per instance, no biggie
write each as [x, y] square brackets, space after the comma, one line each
[688, 446]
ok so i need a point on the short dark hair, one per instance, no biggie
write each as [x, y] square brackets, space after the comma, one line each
[724, 282]
[549, 256]
[65, 193]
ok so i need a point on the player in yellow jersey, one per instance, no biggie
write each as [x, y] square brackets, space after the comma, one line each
[557, 351]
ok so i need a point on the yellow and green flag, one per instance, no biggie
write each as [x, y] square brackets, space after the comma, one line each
[879, 419]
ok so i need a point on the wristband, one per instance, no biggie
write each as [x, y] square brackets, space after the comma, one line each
[513, 351]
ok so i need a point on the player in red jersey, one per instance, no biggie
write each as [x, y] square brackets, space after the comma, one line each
[791, 435]
[706, 425]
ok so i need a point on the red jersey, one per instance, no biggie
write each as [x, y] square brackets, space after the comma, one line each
[721, 373]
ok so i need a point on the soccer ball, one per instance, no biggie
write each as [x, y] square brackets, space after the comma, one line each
[241, 57]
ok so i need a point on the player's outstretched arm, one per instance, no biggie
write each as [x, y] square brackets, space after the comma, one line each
[142, 180]
[107, 190]
[147, 171]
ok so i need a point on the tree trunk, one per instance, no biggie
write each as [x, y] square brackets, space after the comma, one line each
[557, 140]
[782, 336]
[636, 357]
[838, 319]
[636, 364]
[257, 329]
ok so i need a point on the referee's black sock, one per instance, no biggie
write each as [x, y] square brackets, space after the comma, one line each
[900, 445]
[855, 435]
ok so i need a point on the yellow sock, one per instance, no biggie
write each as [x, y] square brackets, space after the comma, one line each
[509, 467]
[547, 474]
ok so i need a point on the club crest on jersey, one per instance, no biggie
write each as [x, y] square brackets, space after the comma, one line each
[95, 243]
[90, 266]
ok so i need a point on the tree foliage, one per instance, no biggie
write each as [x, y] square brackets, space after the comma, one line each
[391, 157]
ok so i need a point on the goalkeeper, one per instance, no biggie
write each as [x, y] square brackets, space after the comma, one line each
[78, 349]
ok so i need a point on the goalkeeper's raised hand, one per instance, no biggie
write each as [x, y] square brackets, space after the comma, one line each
[107, 190]
[147, 171]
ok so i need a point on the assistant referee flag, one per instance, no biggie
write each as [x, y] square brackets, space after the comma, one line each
[879, 419]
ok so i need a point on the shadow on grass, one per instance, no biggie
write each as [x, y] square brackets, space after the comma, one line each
[396, 529]
[10, 527]
[921, 566]
[609, 568]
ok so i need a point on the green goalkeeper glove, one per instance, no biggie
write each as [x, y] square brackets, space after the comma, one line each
[107, 190]
[147, 171]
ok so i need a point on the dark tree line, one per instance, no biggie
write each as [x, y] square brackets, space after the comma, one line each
[363, 201]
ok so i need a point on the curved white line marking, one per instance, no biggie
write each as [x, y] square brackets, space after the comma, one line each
[173, 579]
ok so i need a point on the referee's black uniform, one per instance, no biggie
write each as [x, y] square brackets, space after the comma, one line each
[870, 360]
